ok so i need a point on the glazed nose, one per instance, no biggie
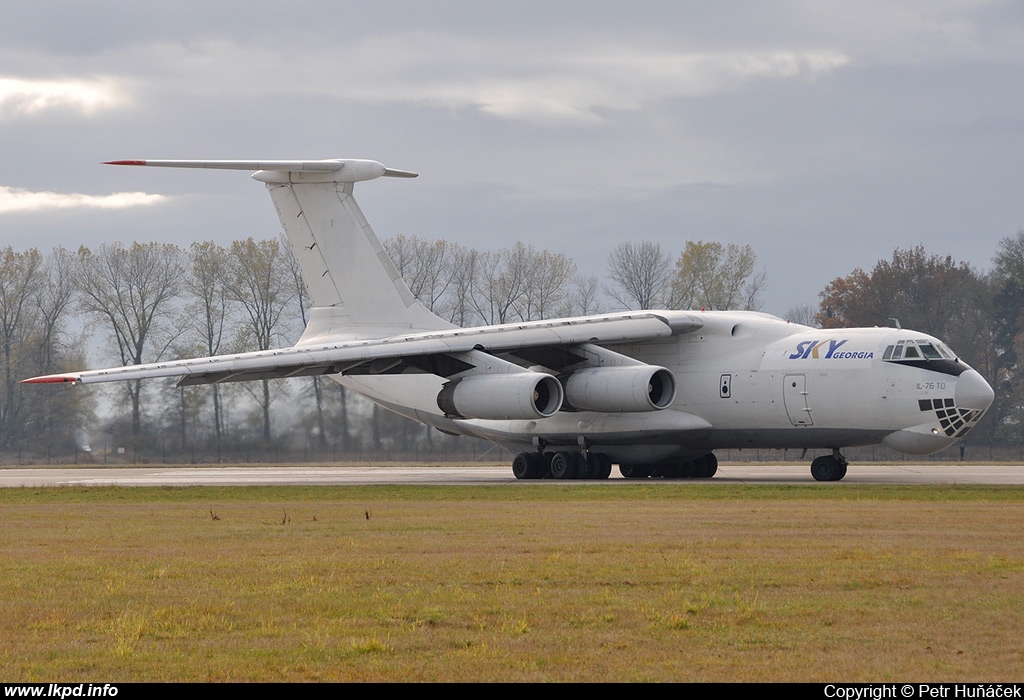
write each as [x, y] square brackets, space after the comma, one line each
[972, 391]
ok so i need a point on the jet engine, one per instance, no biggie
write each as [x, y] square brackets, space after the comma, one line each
[631, 388]
[516, 396]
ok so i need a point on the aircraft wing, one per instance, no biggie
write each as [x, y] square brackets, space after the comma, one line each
[445, 353]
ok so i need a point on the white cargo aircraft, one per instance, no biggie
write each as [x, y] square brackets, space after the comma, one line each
[653, 391]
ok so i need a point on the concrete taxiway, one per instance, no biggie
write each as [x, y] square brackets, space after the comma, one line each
[939, 473]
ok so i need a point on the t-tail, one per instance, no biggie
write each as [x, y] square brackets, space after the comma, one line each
[357, 291]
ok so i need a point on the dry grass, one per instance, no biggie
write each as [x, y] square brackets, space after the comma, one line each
[678, 582]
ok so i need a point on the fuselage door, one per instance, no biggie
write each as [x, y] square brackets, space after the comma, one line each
[794, 395]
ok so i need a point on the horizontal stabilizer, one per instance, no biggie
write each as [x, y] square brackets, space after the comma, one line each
[346, 170]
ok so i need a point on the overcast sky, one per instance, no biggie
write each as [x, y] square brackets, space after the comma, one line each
[824, 134]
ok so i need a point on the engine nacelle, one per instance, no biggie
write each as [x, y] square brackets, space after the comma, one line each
[517, 396]
[627, 389]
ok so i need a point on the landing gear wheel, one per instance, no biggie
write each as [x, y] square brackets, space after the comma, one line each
[585, 467]
[563, 465]
[527, 465]
[828, 468]
[706, 467]
[635, 471]
[599, 466]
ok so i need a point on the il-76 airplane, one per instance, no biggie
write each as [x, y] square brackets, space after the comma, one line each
[655, 392]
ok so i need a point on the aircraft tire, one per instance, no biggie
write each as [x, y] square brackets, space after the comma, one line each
[598, 466]
[584, 468]
[563, 465]
[631, 471]
[705, 467]
[827, 468]
[527, 465]
[636, 471]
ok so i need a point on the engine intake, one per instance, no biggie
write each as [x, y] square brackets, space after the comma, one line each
[632, 388]
[518, 396]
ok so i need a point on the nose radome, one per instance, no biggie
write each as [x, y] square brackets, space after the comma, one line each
[972, 391]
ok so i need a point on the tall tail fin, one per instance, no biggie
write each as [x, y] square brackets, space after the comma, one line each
[354, 285]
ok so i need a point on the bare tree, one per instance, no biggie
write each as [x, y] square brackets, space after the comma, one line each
[208, 270]
[424, 265]
[546, 288]
[585, 297]
[517, 283]
[259, 282]
[640, 272]
[497, 286]
[20, 277]
[52, 299]
[54, 417]
[805, 314]
[459, 309]
[133, 290]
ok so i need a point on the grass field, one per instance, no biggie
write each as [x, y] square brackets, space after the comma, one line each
[645, 582]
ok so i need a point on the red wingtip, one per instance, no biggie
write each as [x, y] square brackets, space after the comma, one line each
[52, 379]
[124, 162]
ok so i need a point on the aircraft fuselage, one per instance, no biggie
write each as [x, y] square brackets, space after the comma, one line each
[749, 380]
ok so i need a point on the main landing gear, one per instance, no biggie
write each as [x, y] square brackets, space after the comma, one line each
[595, 465]
[701, 468]
[829, 467]
[561, 465]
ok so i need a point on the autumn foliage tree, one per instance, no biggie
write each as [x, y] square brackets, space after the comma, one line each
[933, 294]
[1008, 321]
[714, 275]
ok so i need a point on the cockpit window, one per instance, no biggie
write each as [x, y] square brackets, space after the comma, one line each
[925, 353]
[917, 349]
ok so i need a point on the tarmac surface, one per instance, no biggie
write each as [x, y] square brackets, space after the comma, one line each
[936, 473]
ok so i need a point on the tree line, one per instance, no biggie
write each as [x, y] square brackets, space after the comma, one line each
[146, 302]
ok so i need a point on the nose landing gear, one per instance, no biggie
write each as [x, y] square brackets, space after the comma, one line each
[829, 467]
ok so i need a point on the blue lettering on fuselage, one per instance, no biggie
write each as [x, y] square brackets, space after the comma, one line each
[812, 349]
[832, 345]
[799, 354]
